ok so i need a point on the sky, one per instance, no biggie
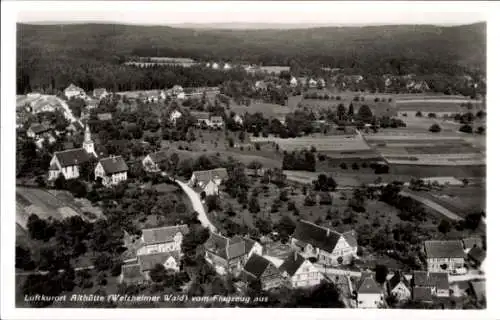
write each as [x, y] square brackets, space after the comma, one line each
[276, 12]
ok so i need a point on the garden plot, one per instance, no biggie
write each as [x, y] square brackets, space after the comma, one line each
[321, 143]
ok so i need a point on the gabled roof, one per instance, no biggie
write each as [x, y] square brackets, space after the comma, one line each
[292, 263]
[149, 261]
[396, 279]
[422, 294]
[431, 279]
[477, 254]
[478, 289]
[249, 243]
[72, 157]
[256, 265]
[113, 164]
[72, 87]
[444, 249]
[367, 284]
[224, 247]
[104, 116]
[324, 238]
[469, 243]
[158, 156]
[207, 175]
[163, 234]
[38, 128]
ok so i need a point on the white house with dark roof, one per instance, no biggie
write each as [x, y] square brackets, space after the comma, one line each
[138, 271]
[229, 255]
[112, 170]
[151, 162]
[73, 91]
[208, 181]
[399, 287]
[444, 256]
[299, 272]
[162, 239]
[100, 93]
[328, 246]
[174, 115]
[37, 130]
[369, 294]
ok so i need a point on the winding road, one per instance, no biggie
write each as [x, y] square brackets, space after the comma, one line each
[197, 205]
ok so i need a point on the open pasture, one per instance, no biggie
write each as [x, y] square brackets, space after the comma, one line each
[321, 143]
[268, 110]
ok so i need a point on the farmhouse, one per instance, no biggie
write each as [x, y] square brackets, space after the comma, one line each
[260, 269]
[208, 181]
[202, 118]
[445, 256]
[112, 170]
[369, 292]
[470, 243]
[138, 272]
[476, 256]
[100, 93]
[152, 161]
[434, 282]
[216, 122]
[229, 255]
[37, 130]
[299, 272]
[73, 91]
[293, 82]
[328, 246]
[399, 287]
[163, 239]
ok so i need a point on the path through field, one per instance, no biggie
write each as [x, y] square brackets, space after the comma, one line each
[433, 205]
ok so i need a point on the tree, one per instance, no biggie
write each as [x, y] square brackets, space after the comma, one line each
[256, 166]
[444, 226]
[310, 200]
[418, 114]
[341, 112]
[285, 227]
[435, 128]
[466, 128]
[23, 259]
[480, 130]
[381, 272]
[212, 202]
[253, 205]
[365, 114]
[158, 273]
[103, 261]
[350, 112]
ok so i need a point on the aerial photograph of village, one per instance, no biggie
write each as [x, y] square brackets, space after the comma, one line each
[236, 165]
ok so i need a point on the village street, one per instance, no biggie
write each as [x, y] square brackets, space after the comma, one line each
[197, 205]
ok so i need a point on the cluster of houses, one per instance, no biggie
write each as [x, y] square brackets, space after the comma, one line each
[68, 163]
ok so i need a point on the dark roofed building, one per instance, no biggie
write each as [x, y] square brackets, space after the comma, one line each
[399, 287]
[324, 244]
[111, 170]
[476, 256]
[152, 161]
[228, 255]
[260, 269]
[208, 181]
[36, 130]
[422, 294]
[472, 242]
[163, 239]
[444, 255]
[437, 282]
[131, 274]
[170, 260]
[72, 157]
[292, 263]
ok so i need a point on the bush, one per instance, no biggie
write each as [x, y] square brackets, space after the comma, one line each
[418, 114]
[355, 166]
[444, 226]
[435, 128]
[343, 166]
[466, 128]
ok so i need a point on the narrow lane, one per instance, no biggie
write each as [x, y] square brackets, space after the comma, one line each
[197, 205]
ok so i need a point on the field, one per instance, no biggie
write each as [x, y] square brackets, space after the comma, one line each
[459, 200]
[268, 110]
[322, 143]
[51, 203]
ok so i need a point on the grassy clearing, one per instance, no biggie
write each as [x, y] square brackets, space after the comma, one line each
[268, 110]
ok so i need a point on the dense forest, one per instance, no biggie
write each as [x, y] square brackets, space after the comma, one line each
[92, 55]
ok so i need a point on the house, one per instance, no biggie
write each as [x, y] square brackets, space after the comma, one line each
[215, 65]
[312, 83]
[37, 130]
[174, 115]
[202, 118]
[105, 116]
[216, 122]
[47, 137]
[100, 93]
[328, 246]
[68, 163]
[43, 105]
[73, 91]
[321, 83]
[476, 256]
[444, 255]
[470, 243]
[399, 287]
[299, 272]
[437, 282]
[293, 82]
[208, 181]
[261, 85]
[227, 66]
[112, 170]
[152, 161]
[258, 268]
[238, 119]
[302, 81]
[229, 255]
[369, 294]
[163, 239]
[422, 294]
[138, 271]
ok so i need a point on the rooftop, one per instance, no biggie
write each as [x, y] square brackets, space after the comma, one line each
[444, 249]
[162, 234]
[113, 164]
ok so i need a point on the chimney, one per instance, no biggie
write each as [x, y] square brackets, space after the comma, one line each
[295, 255]
[328, 232]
